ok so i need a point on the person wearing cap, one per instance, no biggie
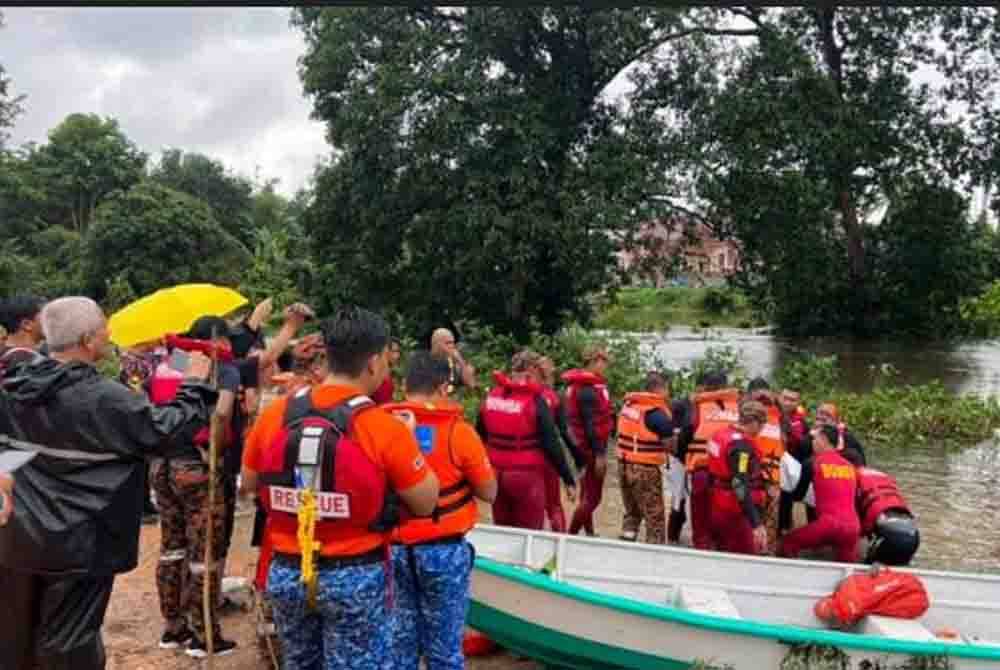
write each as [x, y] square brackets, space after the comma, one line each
[834, 481]
[713, 408]
[590, 415]
[772, 448]
[645, 435]
[443, 343]
[516, 423]
[738, 483]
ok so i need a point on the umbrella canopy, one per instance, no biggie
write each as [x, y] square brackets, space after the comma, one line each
[170, 310]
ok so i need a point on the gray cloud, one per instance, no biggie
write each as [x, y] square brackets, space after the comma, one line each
[219, 81]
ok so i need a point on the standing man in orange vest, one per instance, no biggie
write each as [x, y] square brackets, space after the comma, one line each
[432, 561]
[590, 415]
[327, 459]
[516, 423]
[644, 438]
[737, 484]
[714, 407]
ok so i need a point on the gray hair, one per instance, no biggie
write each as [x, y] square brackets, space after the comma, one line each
[67, 321]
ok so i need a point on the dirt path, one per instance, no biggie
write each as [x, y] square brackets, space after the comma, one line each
[134, 625]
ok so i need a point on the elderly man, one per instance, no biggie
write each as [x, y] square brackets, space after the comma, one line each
[78, 503]
[462, 374]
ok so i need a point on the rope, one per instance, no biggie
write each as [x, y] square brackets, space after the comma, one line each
[308, 544]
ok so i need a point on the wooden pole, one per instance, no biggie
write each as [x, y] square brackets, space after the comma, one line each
[210, 567]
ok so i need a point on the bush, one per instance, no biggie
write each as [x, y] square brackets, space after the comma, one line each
[718, 300]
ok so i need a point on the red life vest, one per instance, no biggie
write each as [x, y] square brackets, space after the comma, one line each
[315, 448]
[603, 414]
[883, 592]
[719, 447]
[877, 493]
[511, 421]
[835, 484]
[456, 511]
[552, 399]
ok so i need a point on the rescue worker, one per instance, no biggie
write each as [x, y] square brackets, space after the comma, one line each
[462, 374]
[886, 519]
[771, 443]
[834, 481]
[590, 416]
[432, 561]
[794, 426]
[79, 501]
[737, 484]
[554, 511]
[6, 497]
[326, 460]
[645, 435]
[828, 414]
[19, 316]
[715, 406]
[516, 423]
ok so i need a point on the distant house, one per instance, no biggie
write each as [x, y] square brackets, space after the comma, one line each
[677, 250]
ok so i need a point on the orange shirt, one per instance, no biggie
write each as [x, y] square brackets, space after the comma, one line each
[383, 438]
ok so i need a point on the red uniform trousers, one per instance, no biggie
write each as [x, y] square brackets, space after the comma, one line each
[701, 509]
[827, 531]
[591, 491]
[520, 498]
[731, 531]
[553, 500]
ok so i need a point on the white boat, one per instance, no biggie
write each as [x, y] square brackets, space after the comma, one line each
[576, 602]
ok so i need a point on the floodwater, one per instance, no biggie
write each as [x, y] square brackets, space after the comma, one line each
[955, 495]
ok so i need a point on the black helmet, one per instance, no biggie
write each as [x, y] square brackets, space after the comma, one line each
[895, 541]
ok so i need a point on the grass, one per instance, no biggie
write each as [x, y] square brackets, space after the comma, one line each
[656, 309]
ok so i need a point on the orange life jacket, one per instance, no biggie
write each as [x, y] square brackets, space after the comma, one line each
[771, 444]
[456, 511]
[636, 442]
[712, 411]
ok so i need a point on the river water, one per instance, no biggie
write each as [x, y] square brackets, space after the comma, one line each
[955, 495]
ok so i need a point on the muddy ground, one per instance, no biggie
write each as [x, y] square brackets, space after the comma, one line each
[133, 625]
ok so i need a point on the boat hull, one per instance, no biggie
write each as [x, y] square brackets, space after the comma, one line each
[568, 626]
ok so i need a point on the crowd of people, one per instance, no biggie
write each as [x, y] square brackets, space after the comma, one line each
[364, 493]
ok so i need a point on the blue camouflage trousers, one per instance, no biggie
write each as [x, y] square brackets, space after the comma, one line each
[432, 600]
[348, 630]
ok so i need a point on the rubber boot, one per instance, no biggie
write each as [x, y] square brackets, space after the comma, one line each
[675, 524]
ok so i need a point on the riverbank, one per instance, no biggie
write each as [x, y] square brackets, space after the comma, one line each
[657, 309]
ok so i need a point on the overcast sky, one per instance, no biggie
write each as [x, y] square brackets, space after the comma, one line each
[222, 82]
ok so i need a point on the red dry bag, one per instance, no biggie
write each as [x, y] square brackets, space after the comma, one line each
[883, 592]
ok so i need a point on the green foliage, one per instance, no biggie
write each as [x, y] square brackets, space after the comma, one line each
[154, 237]
[657, 309]
[86, 161]
[10, 106]
[478, 172]
[981, 315]
[813, 376]
[280, 267]
[230, 196]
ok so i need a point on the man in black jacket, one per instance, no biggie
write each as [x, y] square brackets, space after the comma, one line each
[78, 503]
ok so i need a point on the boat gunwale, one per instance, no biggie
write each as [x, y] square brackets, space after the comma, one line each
[754, 628]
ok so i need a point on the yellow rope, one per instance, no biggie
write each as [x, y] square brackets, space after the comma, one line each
[308, 544]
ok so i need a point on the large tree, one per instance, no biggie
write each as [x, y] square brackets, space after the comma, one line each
[480, 169]
[154, 237]
[230, 196]
[799, 134]
[87, 160]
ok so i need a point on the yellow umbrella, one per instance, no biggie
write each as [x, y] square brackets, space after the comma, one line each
[170, 310]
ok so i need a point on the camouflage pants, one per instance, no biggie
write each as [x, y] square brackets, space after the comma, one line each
[769, 517]
[182, 489]
[642, 497]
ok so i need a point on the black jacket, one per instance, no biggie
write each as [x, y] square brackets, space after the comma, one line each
[78, 503]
